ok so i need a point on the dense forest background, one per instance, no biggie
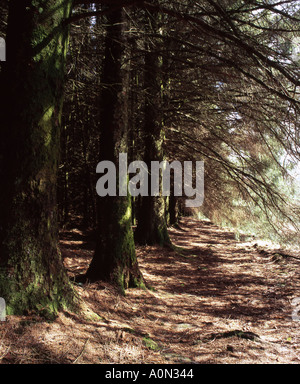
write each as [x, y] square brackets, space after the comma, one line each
[215, 105]
[212, 81]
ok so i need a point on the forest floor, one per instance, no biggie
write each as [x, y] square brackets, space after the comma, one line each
[213, 300]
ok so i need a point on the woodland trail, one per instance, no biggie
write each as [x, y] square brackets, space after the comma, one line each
[214, 300]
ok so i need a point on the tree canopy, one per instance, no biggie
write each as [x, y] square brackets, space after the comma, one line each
[229, 74]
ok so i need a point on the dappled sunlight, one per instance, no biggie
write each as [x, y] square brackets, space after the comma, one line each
[211, 299]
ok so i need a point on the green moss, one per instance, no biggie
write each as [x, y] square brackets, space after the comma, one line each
[29, 283]
[139, 283]
[46, 125]
[151, 344]
[36, 297]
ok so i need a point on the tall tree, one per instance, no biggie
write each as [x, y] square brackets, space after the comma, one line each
[115, 259]
[152, 226]
[32, 277]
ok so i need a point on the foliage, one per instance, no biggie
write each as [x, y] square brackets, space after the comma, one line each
[229, 97]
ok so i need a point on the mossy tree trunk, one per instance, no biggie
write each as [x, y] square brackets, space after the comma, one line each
[32, 276]
[173, 210]
[152, 227]
[115, 258]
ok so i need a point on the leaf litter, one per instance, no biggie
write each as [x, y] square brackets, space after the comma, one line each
[214, 300]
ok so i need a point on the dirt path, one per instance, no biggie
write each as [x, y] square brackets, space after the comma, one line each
[214, 300]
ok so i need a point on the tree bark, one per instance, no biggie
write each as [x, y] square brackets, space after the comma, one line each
[152, 227]
[32, 276]
[115, 258]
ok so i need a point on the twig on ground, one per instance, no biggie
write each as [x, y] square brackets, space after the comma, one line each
[81, 353]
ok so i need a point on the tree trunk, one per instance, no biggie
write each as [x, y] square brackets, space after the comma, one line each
[32, 276]
[114, 259]
[173, 210]
[152, 227]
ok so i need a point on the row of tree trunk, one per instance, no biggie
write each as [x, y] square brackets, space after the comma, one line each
[32, 276]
